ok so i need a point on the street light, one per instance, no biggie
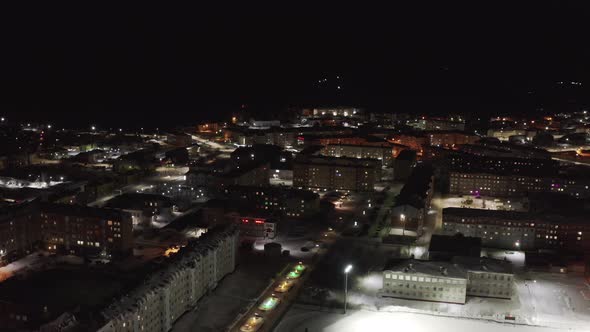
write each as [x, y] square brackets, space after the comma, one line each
[346, 271]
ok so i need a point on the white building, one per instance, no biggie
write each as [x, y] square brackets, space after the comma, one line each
[169, 293]
[487, 277]
[424, 280]
[448, 282]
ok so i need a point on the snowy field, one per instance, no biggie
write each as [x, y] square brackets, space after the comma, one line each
[560, 301]
[299, 319]
[489, 203]
[541, 299]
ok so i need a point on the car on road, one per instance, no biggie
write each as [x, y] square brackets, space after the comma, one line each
[253, 324]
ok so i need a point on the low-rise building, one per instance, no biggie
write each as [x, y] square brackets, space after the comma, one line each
[425, 280]
[448, 282]
[253, 228]
[487, 277]
[179, 139]
[445, 247]
[143, 208]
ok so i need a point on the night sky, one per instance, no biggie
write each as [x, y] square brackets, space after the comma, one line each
[105, 64]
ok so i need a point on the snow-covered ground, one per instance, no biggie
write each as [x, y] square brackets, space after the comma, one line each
[36, 262]
[299, 319]
[542, 299]
[294, 246]
[489, 203]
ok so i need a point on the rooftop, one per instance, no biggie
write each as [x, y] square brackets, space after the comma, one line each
[429, 268]
[137, 200]
[81, 211]
[336, 161]
[458, 244]
[415, 190]
[483, 264]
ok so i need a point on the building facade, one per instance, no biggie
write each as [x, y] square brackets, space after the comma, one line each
[329, 173]
[496, 185]
[82, 230]
[167, 294]
[298, 203]
[426, 281]
[518, 230]
[449, 282]
[383, 152]
[19, 231]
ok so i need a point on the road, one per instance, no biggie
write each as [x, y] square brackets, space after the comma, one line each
[287, 299]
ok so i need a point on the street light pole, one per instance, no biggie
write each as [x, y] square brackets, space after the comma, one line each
[346, 271]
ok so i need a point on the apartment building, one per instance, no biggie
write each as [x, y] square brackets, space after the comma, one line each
[515, 185]
[64, 228]
[298, 203]
[384, 152]
[19, 230]
[83, 230]
[519, 230]
[466, 162]
[330, 173]
[450, 138]
[175, 289]
[487, 277]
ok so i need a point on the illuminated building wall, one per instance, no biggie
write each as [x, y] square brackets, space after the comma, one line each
[518, 230]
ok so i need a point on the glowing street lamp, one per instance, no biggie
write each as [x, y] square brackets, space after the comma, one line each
[346, 272]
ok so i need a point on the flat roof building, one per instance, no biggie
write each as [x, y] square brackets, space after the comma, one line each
[330, 173]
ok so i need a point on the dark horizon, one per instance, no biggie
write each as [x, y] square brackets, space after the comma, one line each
[85, 65]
